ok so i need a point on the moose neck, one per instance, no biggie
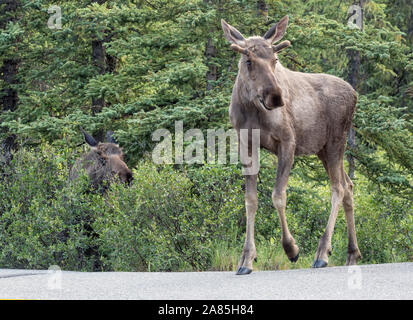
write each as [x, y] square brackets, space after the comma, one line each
[282, 76]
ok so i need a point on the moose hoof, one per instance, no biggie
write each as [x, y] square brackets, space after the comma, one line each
[294, 259]
[319, 264]
[243, 270]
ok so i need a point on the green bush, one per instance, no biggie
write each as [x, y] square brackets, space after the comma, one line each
[44, 220]
[384, 226]
[177, 218]
[167, 220]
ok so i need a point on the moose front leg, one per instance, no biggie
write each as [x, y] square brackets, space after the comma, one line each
[249, 252]
[279, 199]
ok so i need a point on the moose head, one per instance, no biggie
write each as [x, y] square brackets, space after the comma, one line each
[103, 163]
[258, 63]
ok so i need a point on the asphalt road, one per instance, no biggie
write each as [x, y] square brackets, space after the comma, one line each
[385, 281]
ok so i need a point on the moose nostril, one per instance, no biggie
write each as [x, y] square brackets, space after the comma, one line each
[276, 101]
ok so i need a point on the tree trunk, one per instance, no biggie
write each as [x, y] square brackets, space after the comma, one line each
[9, 70]
[98, 61]
[410, 29]
[110, 61]
[262, 9]
[354, 67]
[9, 97]
[211, 74]
[353, 76]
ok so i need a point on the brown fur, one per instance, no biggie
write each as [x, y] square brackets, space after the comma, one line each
[297, 114]
[102, 164]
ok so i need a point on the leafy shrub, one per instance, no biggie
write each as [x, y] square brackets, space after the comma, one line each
[177, 218]
[166, 221]
[44, 220]
[384, 226]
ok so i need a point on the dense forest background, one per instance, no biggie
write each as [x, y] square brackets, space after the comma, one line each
[136, 66]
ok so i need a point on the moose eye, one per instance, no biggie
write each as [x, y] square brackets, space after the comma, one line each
[248, 62]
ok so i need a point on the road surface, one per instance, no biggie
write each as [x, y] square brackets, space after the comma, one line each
[385, 281]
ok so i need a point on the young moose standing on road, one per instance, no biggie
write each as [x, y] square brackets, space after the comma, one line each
[297, 114]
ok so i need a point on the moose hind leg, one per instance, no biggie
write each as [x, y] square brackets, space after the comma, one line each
[353, 250]
[337, 194]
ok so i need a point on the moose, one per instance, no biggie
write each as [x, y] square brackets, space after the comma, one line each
[103, 163]
[296, 114]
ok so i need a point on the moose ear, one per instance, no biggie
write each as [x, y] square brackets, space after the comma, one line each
[232, 34]
[110, 137]
[277, 31]
[89, 139]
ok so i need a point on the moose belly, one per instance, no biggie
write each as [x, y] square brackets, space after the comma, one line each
[311, 137]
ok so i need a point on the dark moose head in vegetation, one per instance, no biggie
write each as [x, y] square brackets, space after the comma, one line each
[103, 163]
